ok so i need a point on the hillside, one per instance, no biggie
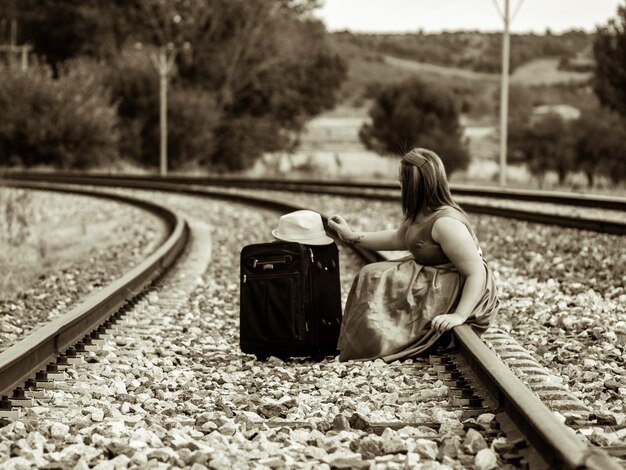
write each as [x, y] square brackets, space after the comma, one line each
[539, 80]
[472, 50]
[330, 142]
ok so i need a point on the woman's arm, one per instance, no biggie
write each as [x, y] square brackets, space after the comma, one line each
[392, 239]
[457, 243]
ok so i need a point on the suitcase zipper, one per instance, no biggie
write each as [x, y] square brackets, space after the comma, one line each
[311, 306]
[270, 275]
[268, 263]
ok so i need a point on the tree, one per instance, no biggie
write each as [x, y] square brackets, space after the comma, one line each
[609, 49]
[544, 143]
[416, 113]
[264, 65]
[600, 146]
[65, 122]
[61, 30]
[267, 63]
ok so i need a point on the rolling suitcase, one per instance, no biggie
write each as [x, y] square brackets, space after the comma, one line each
[290, 300]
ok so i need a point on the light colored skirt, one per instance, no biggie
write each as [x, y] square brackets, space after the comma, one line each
[391, 304]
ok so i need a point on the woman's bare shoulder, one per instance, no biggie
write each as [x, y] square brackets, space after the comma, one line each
[448, 225]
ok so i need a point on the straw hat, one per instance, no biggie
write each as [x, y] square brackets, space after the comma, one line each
[303, 227]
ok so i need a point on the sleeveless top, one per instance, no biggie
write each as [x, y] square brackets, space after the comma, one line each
[419, 241]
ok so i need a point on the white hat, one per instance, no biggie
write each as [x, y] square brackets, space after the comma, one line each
[303, 227]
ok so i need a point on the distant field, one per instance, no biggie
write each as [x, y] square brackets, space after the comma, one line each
[422, 67]
[330, 147]
[536, 72]
[546, 72]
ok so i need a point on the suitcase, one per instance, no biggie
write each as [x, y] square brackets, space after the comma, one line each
[290, 300]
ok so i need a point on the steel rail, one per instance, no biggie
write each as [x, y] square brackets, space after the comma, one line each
[368, 190]
[26, 357]
[553, 440]
[555, 197]
[267, 202]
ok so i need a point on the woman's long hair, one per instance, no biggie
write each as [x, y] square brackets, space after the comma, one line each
[424, 184]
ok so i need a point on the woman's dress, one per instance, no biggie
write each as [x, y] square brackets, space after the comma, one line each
[391, 303]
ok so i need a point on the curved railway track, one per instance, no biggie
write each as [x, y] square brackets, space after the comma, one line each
[387, 191]
[477, 379]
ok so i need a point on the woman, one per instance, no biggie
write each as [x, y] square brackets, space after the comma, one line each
[398, 309]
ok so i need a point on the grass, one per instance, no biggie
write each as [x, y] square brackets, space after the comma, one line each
[534, 83]
[52, 237]
[546, 72]
[49, 248]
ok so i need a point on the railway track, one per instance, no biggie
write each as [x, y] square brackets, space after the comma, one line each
[474, 201]
[476, 382]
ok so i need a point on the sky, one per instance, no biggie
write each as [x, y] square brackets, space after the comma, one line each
[450, 15]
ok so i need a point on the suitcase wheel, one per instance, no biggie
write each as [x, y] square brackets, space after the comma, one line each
[318, 357]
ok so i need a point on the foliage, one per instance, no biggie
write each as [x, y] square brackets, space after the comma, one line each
[135, 89]
[192, 114]
[242, 139]
[269, 68]
[544, 143]
[600, 145]
[470, 49]
[609, 50]
[416, 114]
[192, 121]
[66, 122]
[15, 208]
[594, 144]
[264, 65]
[60, 30]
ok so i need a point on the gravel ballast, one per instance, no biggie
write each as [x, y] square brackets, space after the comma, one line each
[563, 292]
[171, 388]
[74, 245]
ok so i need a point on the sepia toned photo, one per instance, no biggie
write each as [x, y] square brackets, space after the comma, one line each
[313, 234]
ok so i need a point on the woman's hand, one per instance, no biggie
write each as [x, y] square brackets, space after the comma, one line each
[442, 323]
[339, 225]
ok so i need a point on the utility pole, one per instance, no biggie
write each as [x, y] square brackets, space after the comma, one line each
[504, 87]
[504, 93]
[163, 65]
[12, 49]
[12, 39]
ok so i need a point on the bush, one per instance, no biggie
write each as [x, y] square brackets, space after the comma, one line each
[594, 144]
[192, 118]
[543, 143]
[134, 88]
[609, 50]
[416, 114]
[243, 140]
[66, 122]
[600, 146]
[192, 114]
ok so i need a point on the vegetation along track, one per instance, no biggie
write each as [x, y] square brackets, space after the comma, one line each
[469, 383]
